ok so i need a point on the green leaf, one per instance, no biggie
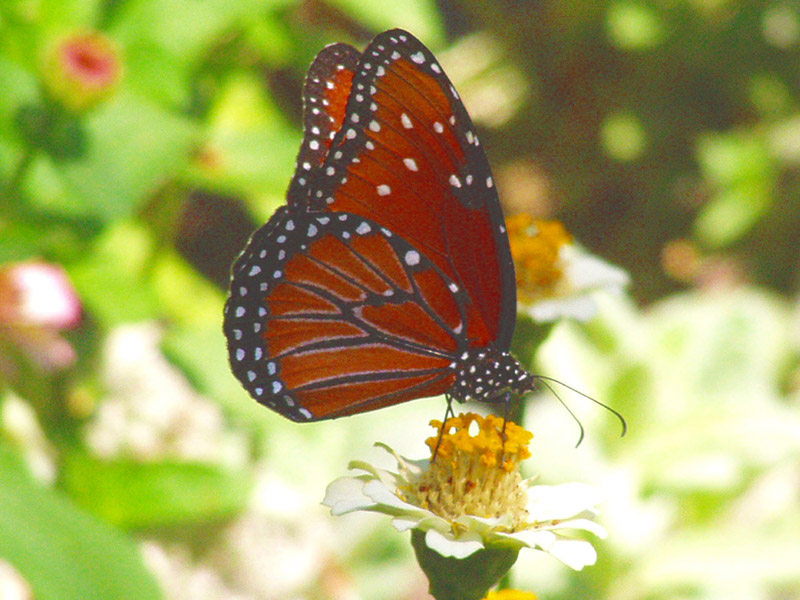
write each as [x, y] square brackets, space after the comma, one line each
[734, 157]
[132, 146]
[420, 17]
[134, 494]
[634, 26]
[165, 39]
[731, 213]
[251, 149]
[63, 552]
[113, 280]
[741, 166]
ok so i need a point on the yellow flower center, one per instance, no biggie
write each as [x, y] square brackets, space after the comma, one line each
[475, 474]
[510, 595]
[535, 248]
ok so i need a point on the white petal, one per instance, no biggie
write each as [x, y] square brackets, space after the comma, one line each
[582, 524]
[552, 502]
[404, 523]
[466, 545]
[382, 495]
[574, 553]
[584, 274]
[585, 271]
[580, 308]
[346, 495]
[535, 538]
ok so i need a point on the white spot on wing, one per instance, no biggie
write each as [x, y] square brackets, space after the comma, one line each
[412, 258]
[406, 121]
[384, 190]
[410, 164]
[418, 58]
[364, 228]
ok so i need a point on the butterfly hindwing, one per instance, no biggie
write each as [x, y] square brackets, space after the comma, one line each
[333, 314]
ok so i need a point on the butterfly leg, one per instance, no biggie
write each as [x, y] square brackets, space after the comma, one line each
[506, 411]
[447, 414]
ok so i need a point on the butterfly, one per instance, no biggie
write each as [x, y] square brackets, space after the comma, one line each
[387, 276]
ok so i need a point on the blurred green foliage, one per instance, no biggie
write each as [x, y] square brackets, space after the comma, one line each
[646, 126]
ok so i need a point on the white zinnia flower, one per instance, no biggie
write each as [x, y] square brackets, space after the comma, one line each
[466, 500]
[555, 277]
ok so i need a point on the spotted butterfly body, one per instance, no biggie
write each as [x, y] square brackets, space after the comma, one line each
[387, 276]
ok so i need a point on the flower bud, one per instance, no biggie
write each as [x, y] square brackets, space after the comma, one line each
[82, 70]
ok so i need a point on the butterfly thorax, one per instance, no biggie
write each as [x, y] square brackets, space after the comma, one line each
[485, 374]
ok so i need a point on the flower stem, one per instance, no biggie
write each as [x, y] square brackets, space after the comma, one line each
[469, 578]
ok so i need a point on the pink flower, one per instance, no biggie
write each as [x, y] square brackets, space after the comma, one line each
[37, 301]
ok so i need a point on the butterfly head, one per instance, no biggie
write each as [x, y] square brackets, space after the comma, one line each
[486, 374]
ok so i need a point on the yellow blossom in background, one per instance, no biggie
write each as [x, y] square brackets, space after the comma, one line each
[536, 250]
[556, 278]
[510, 595]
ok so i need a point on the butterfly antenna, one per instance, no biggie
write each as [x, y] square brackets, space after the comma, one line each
[617, 414]
[447, 411]
[571, 414]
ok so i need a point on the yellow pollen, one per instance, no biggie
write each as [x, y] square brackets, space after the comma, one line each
[535, 248]
[486, 445]
[467, 477]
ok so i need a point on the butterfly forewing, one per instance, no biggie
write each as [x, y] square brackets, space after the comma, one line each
[325, 94]
[407, 156]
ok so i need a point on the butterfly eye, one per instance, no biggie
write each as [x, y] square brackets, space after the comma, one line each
[388, 275]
